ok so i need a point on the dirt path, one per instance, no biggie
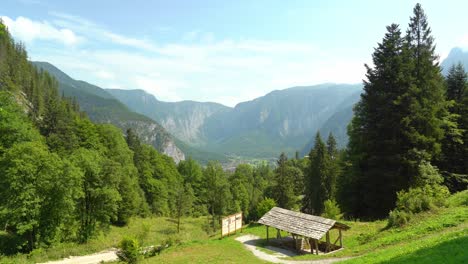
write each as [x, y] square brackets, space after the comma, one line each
[108, 255]
[250, 242]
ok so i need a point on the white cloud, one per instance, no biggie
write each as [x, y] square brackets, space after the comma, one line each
[463, 42]
[200, 67]
[28, 31]
[162, 89]
[106, 75]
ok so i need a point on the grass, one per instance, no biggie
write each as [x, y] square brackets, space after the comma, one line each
[225, 250]
[149, 231]
[448, 247]
[438, 236]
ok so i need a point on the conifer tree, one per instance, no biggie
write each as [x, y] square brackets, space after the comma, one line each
[424, 101]
[398, 122]
[320, 182]
[452, 161]
[284, 184]
[375, 140]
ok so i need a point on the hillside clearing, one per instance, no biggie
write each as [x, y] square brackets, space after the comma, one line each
[440, 236]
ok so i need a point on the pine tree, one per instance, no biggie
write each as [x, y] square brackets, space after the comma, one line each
[452, 161]
[375, 139]
[284, 184]
[333, 166]
[320, 182]
[398, 122]
[425, 102]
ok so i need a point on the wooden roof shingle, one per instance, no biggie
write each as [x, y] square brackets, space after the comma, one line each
[299, 223]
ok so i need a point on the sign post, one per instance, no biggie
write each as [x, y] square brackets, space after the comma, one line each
[230, 224]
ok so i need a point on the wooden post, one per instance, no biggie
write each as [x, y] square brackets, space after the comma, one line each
[328, 242]
[235, 224]
[267, 233]
[278, 233]
[316, 246]
[341, 238]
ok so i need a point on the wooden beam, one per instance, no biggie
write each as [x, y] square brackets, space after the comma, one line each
[334, 243]
[267, 233]
[328, 242]
[341, 238]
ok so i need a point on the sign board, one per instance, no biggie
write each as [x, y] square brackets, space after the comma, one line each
[230, 224]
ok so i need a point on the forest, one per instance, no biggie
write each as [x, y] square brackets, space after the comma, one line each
[64, 178]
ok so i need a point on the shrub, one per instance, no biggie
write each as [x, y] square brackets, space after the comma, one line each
[128, 250]
[398, 218]
[364, 238]
[420, 199]
[459, 199]
[331, 210]
[264, 206]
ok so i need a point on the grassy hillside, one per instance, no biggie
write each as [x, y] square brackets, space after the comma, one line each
[438, 236]
[149, 231]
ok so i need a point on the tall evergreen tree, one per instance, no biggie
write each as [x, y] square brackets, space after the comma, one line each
[319, 184]
[424, 100]
[375, 139]
[333, 166]
[398, 122]
[452, 161]
[283, 188]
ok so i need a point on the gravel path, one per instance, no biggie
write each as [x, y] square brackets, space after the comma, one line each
[108, 255]
[250, 241]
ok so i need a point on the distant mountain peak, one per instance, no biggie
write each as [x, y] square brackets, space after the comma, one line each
[456, 55]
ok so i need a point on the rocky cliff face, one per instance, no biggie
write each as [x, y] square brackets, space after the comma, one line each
[153, 134]
[185, 120]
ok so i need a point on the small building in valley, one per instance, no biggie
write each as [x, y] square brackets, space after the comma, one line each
[306, 230]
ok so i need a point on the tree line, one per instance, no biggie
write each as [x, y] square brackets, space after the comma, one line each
[65, 178]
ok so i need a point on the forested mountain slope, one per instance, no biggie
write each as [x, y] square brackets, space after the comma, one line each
[102, 107]
[63, 177]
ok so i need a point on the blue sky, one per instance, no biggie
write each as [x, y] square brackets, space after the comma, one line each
[221, 51]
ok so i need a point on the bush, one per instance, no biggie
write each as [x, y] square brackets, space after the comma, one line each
[264, 206]
[421, 199]
[364, 238]
[398, 218]
[129, 250]
[416, 200]
[332, 210]
[459, 199]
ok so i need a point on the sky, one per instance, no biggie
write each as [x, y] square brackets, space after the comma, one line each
[218, 51]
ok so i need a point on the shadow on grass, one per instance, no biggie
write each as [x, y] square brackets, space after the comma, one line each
[453, 251]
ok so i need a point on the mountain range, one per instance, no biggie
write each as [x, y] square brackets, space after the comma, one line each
[281, 121]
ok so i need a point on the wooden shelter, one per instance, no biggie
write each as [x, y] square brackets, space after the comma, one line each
[311, 227]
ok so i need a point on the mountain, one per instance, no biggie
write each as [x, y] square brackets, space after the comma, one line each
[455, 56]
[337, 124]
[283, 120]
[102, 107]
[184, 120]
